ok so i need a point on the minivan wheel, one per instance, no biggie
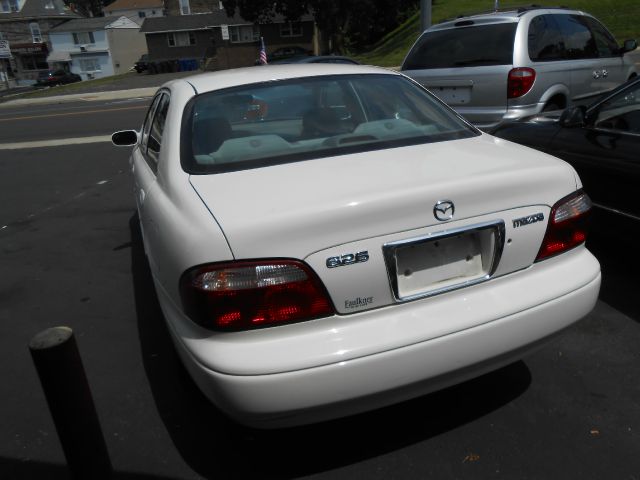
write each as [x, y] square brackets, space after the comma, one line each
[551, 106]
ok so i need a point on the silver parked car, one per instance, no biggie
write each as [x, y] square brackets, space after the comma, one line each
[505, 65]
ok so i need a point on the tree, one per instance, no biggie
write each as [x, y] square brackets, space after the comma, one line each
[348, 23]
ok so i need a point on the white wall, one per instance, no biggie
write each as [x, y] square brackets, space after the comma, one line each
[133, 14]
[104, 62]
[99, 50]
[64, 42]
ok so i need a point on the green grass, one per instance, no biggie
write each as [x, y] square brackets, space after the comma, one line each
[621, 17]
[75, 87]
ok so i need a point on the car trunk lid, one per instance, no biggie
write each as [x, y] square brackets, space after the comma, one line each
[294, 210]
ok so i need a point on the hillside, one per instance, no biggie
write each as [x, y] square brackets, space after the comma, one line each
[622, 18]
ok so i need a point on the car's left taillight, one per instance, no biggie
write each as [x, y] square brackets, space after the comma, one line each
[519, 81]
[567, 227]
[249, 294]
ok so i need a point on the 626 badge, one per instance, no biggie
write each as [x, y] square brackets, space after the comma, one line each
[347, 259]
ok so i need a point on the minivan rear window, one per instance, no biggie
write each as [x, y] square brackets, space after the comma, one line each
[471, 46]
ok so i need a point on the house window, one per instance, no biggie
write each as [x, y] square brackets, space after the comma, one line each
[89, 65]
[35, 32]
[34, 62]
[141, 14]
[1, 36]
[181, 39]
[244, 33]
[291, 29]
[82, 38]
[9, 6]
[185, 9]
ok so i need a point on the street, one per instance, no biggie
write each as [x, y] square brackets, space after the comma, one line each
[55, 121]
[72, 255]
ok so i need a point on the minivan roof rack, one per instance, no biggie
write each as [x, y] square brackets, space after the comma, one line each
[519, 9]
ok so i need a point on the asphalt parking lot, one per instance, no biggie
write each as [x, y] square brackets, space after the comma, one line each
[72, 255]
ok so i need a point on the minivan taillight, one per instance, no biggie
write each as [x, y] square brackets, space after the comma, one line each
[520, 81]
[567, 227]
[248, 294]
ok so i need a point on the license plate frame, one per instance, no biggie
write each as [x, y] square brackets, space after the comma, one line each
[443, 261]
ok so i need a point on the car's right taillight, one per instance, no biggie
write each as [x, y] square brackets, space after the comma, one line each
[520, 81]
[242, 295]
[567, 227]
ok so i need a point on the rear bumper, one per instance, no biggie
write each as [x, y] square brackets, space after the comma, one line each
[354, 385]
[487, 118]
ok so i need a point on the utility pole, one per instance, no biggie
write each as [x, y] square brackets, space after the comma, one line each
[425, 14]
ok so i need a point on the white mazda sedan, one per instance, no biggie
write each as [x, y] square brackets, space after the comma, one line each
[330, 239]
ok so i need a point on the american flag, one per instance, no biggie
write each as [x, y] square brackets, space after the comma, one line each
[263, 53]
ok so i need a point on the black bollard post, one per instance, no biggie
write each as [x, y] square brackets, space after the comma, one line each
[57, 360]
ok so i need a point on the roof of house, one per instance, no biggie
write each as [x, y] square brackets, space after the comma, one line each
[90, 24]
[40, 9]
[199, 22]
[133, 5]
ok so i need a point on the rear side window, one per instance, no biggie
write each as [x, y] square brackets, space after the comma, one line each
[157, 128]
[605, 43]
[471, 46]
[579, 42]
[545, 39]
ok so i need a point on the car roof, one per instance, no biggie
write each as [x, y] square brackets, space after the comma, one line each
[512, 14]
[206, 82]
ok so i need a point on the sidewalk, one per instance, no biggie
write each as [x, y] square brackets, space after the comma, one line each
[82, 97]
[128, 86]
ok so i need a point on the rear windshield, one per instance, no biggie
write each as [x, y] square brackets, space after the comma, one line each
[292, 120]
[469, 46]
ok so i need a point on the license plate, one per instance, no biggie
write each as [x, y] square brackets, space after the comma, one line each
[453, 95]
[444, 261]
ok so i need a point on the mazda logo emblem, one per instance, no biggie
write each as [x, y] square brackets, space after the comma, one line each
[444, 210]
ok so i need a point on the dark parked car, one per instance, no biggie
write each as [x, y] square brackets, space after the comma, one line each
[56, 77]
[286, 52]
[601, 141]
[142, 64]
[316, 59]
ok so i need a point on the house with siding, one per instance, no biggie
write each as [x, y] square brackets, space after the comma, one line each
[26, 24]
[96, 47]
[135, 10]
[218, 41]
